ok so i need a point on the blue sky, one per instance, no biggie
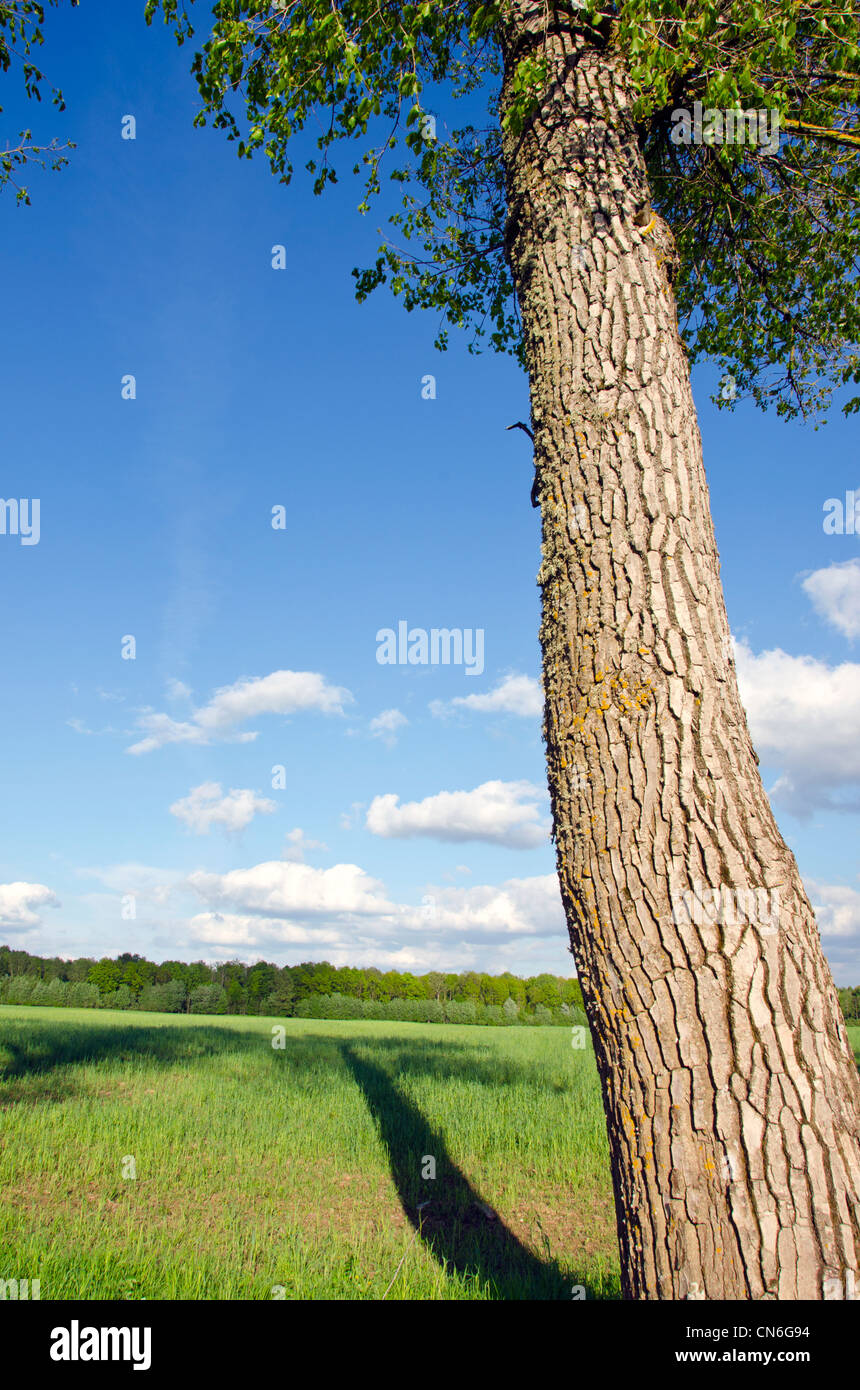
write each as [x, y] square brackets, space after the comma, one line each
[256, 647]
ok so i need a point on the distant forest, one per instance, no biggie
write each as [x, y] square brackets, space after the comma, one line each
[314, 989]
[309, 990]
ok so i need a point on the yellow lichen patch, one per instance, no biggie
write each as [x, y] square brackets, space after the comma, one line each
[627, 1120]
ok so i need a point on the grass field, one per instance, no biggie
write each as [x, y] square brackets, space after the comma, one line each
[297, 1172]
[301, 1168]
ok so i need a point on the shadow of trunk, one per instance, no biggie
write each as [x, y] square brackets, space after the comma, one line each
[452, 1221]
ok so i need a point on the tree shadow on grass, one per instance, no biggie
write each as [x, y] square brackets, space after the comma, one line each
[52, 1047]
[454, 1225]
[55, 1043]
[447, 1212]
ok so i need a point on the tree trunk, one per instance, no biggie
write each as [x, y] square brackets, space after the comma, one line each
[731, 1095]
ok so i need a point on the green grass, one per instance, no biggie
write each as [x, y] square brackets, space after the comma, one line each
[299, 1167]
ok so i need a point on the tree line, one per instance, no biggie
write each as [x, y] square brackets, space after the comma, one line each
[313, 989]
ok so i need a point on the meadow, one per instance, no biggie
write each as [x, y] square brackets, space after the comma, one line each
[296, 1172]
[163, 1156]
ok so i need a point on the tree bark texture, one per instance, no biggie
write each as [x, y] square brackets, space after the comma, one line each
[731, 1094]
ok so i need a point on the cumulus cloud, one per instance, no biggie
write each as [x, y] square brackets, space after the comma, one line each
[837, 908]
[228, 935]
[804, 716]
[205, 806]
[518, 907]
[298, 845]
[835, 594]
[20, 904]
[230, 931]
[500, 813]
[386, 724]
[279, 888]
[348, 913]
[513, 695]
[529, 907]
[282, 692]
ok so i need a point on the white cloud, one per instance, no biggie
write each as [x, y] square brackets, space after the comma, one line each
[386, 724]
[837, 908]
[291, 911]
[346, 912]
[514, 695]
[233, 931]
[804, 716]
[299, 846]
[279, 888]
[161, 730]
[835, 594]
[518, 907]
[501, 813]
[228, 935]
[205, 806]
[282, 692]
[177, 690]
[80, 728]
[345, 896]
[20, 904]
[140, 880]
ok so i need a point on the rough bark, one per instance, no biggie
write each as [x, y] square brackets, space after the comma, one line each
[731, 1095]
